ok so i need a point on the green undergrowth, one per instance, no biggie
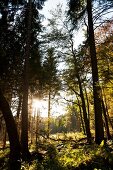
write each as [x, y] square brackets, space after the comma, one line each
[58, 155]
[66, 155]
[68, 136]
[4, 155]
[86, 157]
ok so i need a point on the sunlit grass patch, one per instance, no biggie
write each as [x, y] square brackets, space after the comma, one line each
[4, 152]
[86, 155]
[69, 135]
[34, 165]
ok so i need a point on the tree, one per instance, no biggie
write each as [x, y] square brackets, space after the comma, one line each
[12, 133]
[73, 119]
[24, 132]
[24, 123]
[77, 9]
[74, 73]
[105, 63]
[7, 15]
[99, 132]
[6, 35]
[51, 80]
[74, 80]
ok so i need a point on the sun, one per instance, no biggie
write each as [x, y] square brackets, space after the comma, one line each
[36, 103]
[39, 107]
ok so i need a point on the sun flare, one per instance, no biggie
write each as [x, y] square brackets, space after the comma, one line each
[39, 107]
[36, 104]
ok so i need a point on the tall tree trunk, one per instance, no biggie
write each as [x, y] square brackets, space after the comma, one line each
[12, 133]
[24, 125]
[85, 116]
[99, 131]
[49, 108]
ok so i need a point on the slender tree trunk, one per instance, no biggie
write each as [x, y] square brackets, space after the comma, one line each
[88, 109]
[105, 100]
[31, 129]
[99, 131]
[49, 108]
[82, 122]
[31, 120]
[105, 117]
[37, 125]
[109, 119]
[24, 128]
[106, 121]
[18, 115]
[12, 133]
[85, 115]
[19, 107]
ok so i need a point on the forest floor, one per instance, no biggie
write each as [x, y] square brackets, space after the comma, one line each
[65, 153]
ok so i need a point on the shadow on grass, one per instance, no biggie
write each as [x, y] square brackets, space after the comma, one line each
[50, 160]
[98, 163]
[102, 161]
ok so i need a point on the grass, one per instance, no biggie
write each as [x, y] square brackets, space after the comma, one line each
[70, 135]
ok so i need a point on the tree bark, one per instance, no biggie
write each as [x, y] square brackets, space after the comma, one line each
[82, 122]
[12, 133]
[88, 108]
[106, 121]
[85, 115]
[106, 108]
[49, 105]
[99, 131]
[37, 125]
[19, 106]
[24, 123]
[18, 115]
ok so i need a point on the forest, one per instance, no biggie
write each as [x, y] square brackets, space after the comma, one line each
[56, 96]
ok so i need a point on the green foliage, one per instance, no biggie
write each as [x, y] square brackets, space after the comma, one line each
[4, 153]
[76, 12]
[102, 143]
[4, 157]
[51, 81]
[60, 155]
[35, 165]
[87, 156]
